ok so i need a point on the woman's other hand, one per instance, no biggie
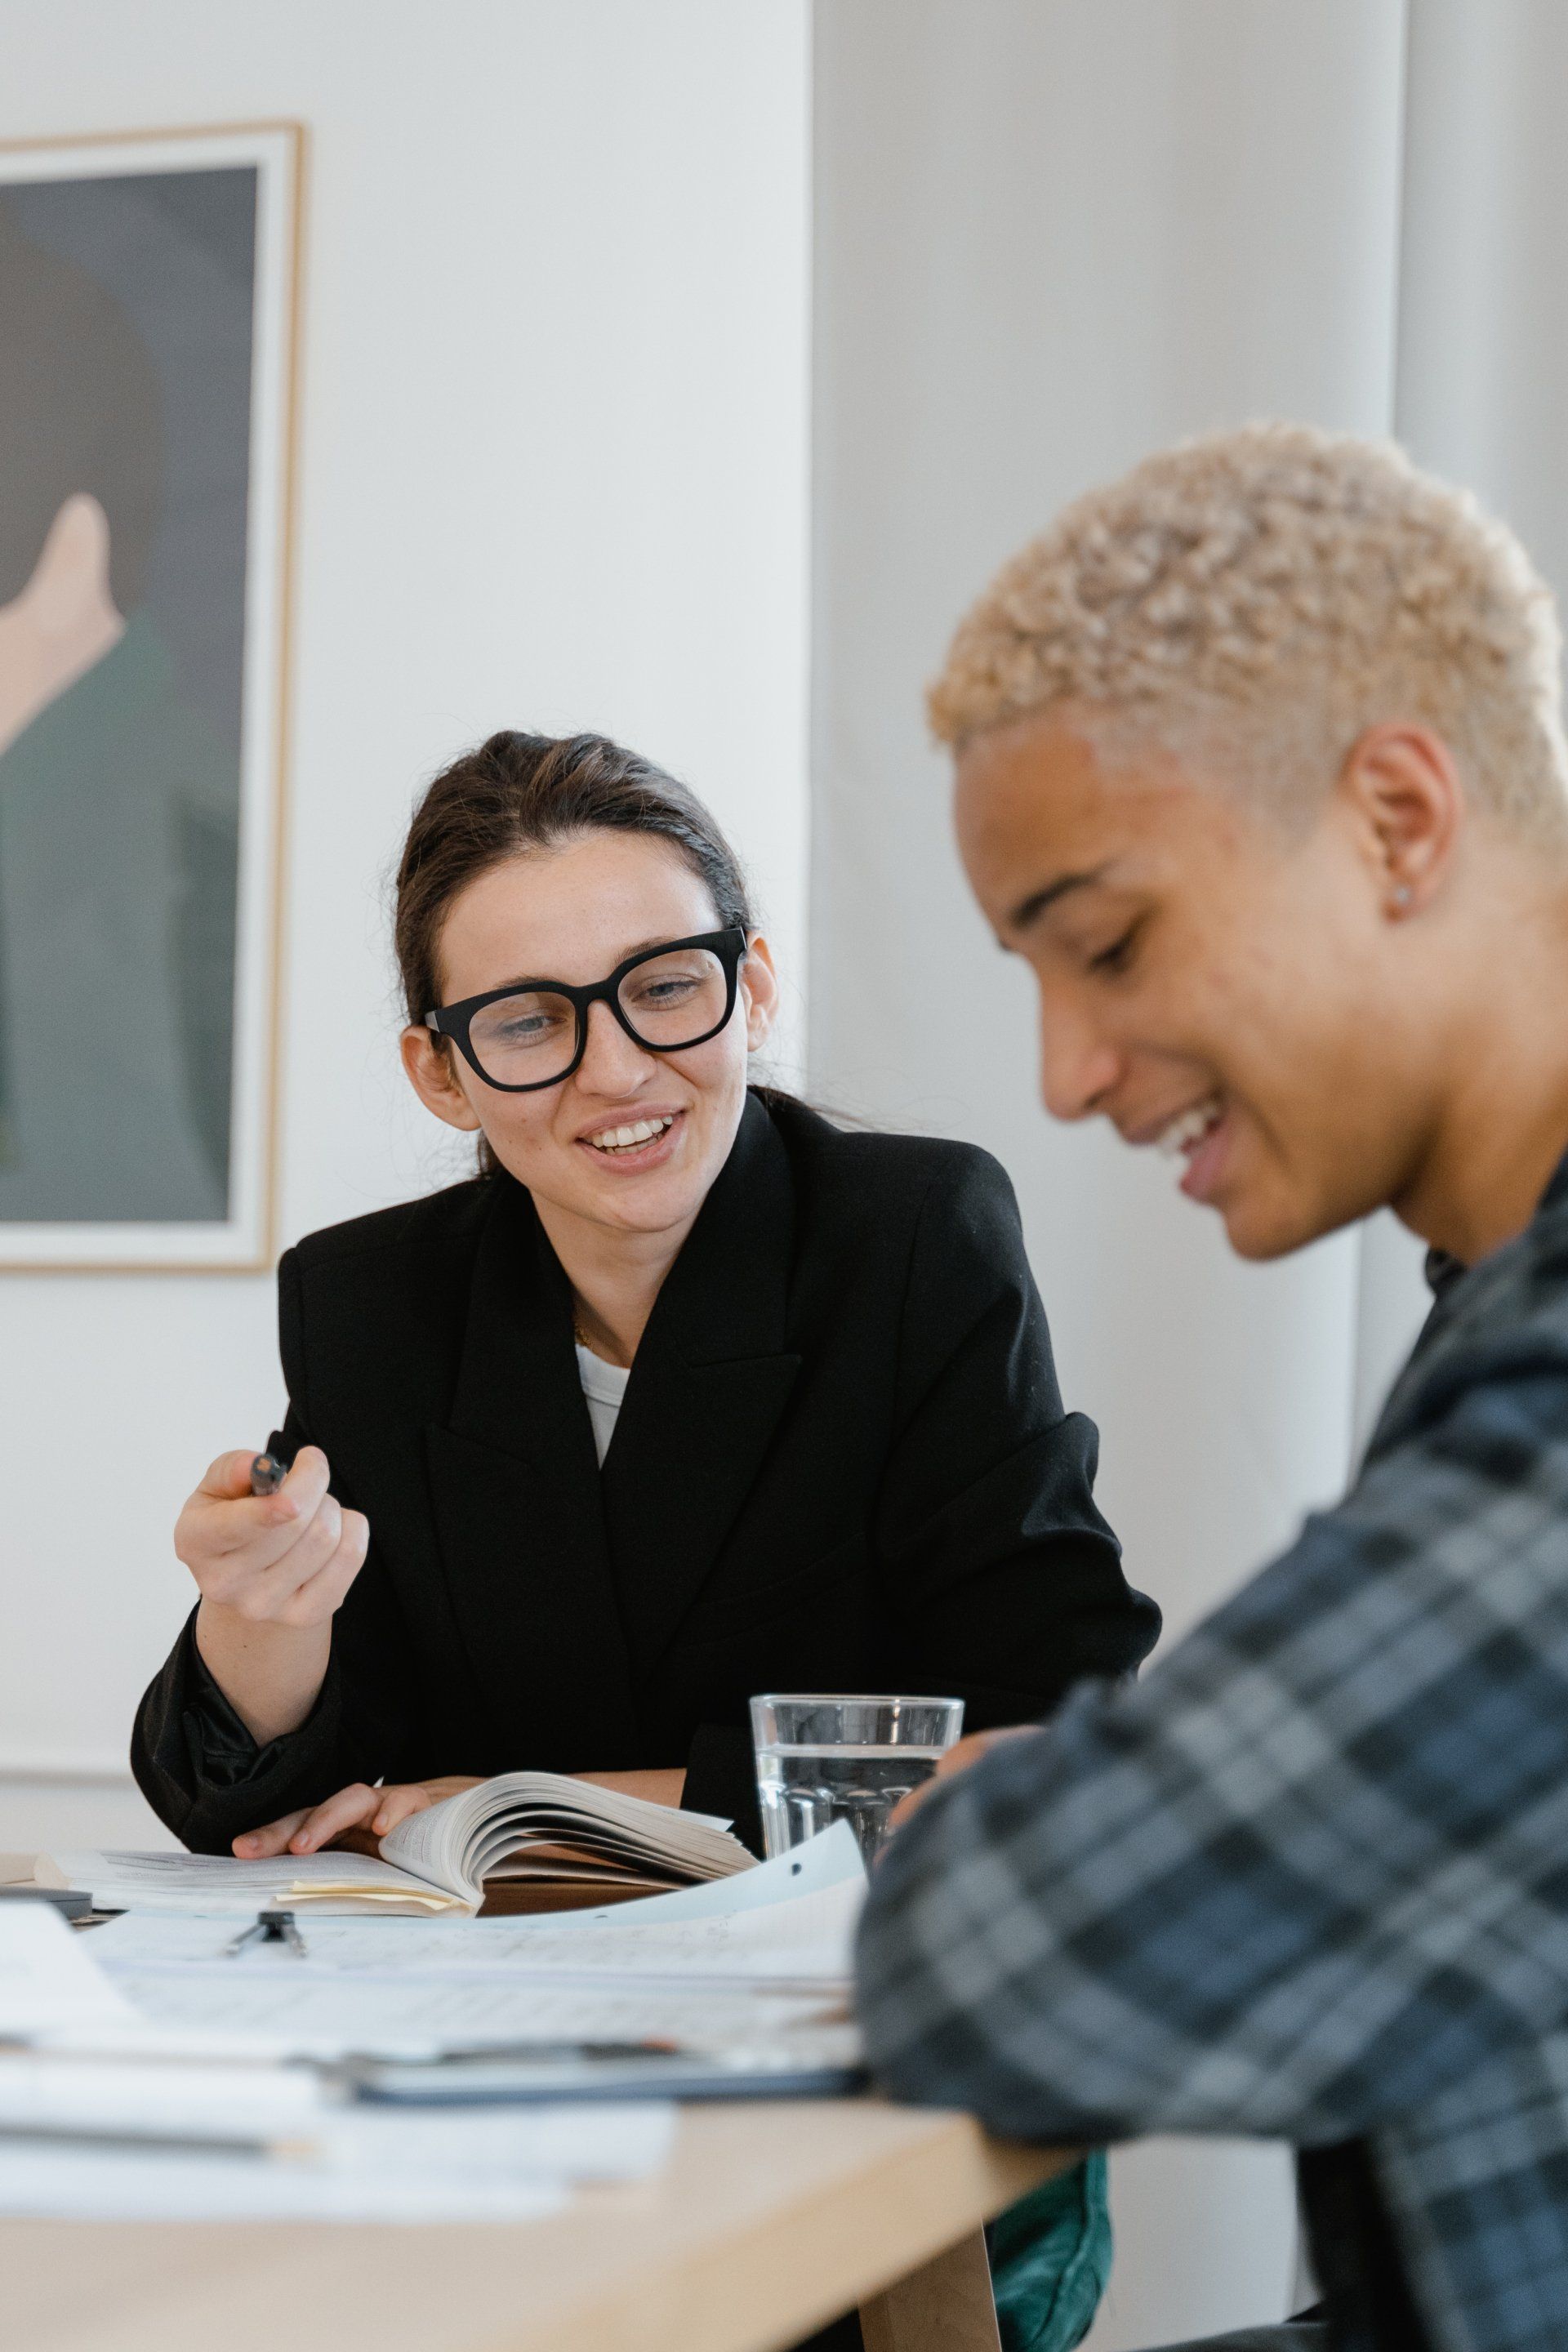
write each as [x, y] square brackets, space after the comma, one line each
[660, 1787]
[272, 1569]
[357, 1817]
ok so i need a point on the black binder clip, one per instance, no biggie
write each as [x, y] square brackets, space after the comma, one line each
[268, 1927]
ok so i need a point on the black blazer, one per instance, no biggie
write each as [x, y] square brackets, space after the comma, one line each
[842, 1463]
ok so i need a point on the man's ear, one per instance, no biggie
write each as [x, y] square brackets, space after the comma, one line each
[759, 992]
[1401, 784]
[428, 1062]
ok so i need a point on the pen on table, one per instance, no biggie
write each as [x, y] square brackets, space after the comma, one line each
[494, 2053]
[266, 1473]
[152, 2143]
[355, 2066]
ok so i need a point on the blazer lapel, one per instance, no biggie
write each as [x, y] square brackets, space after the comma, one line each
[515, 1482]
[710, 1381]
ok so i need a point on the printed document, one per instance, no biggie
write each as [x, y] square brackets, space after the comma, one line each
[673, 1967]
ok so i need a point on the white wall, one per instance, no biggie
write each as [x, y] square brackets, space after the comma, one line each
[553, 475]
[1048, 239]
[1482, 358]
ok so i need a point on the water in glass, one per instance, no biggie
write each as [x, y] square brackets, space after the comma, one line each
[804, 1790]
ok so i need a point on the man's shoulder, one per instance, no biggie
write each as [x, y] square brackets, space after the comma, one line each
[1523, 1285]
[1502, 1321]
[1542, 1273]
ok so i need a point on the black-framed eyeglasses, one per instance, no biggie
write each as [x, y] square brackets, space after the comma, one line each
[534, 1033]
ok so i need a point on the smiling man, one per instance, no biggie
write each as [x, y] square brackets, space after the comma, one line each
[1260, 767]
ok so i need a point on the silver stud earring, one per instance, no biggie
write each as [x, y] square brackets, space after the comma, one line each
[1401, 898]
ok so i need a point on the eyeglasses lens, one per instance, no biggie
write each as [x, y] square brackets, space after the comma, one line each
[525, 1040]
[675, 999]
[671, 1001]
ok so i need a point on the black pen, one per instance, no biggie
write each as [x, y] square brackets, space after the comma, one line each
[148, 2143]
[266, 1473]
[544, 2052]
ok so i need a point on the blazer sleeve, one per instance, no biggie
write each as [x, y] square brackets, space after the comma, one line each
[194, 1761]
[1001, 1582]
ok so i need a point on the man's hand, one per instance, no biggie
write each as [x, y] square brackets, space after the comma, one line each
[958, 1759]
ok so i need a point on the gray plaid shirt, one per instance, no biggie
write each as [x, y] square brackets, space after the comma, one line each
[1309, 1879]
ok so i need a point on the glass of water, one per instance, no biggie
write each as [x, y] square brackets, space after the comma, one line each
[824, 1758]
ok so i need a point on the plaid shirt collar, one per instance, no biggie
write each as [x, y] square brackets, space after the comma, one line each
[1443, 1269]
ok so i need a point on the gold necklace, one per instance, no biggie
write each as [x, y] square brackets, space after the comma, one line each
[583, 1341]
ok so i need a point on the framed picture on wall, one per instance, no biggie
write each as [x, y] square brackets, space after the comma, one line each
[148, 291]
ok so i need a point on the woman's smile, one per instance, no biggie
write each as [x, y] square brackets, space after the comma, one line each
[630, 1145]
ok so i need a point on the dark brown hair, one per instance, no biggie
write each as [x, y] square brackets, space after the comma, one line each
[518, 793]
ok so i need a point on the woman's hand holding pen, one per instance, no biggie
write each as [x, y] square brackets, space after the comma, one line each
[272, 1570]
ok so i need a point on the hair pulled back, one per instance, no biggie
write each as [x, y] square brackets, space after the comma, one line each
[517, 793]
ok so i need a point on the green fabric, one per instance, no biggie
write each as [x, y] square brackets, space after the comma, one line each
[1051, 2257]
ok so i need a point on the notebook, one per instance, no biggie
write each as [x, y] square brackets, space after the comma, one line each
[538, 1828]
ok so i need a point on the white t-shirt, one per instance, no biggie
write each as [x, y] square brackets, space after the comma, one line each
[604, 1387]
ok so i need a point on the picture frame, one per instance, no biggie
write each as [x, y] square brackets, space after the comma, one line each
[150, 294]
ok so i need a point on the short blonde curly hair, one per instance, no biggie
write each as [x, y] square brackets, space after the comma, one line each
[1267, 595]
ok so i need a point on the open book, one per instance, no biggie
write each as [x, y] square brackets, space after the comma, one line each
[538, 1827]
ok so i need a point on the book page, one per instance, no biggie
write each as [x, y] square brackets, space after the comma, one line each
[454, 1843]
[220, 1886]
[430, 1845]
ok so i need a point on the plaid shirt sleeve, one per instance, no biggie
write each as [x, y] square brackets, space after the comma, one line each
[1315, 1868]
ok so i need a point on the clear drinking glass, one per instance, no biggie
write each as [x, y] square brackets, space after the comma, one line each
[823, 1757]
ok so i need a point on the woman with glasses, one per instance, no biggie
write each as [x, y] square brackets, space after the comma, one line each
[688, 1394]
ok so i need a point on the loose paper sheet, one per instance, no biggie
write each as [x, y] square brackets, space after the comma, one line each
[340, 2164]
[331, 2014]
[68, 2185]
[831, 1860]
[48, 1979]
[66, 2091]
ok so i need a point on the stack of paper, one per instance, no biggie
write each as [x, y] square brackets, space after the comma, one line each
[741, 1962]
[104, 2115]
[152, 2074]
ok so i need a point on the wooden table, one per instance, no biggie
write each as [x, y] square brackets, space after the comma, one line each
[767, 2221]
